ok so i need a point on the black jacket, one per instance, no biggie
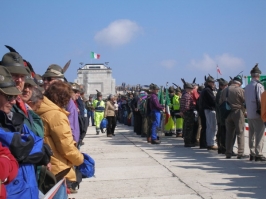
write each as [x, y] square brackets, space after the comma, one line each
[207, 99]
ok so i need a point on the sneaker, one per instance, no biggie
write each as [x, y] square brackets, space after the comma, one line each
[109, 135]
[228, 157]
[242, 156]
[155, 141]
[97, 133]
[260, 158]
[149, 139]
[212, 147]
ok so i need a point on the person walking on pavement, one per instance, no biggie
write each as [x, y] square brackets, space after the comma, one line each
[253, 93]
[90, 111]
[235, 121]
[155, 109]
[99, 106]
[208, 105]
[187, 112]
[109, 114]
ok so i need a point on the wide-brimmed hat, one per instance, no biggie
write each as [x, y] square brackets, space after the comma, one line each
[54, 71]
[14, 63]
[238, 78]
[255, 69]
[74, 86]
[210, 79]
[171, 89]
[29, 79]
[7, 85]
[222, 82]
[188, 86]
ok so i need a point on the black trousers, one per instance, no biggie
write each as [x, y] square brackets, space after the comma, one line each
[137, 122]
[203, 142]
[111, 124]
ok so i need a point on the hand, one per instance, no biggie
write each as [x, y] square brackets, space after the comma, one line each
[49, 166]
[163, 110]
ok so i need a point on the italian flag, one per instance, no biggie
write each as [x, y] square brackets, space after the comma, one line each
[95, 56]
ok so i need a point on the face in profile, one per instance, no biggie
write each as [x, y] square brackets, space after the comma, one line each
[7, 102]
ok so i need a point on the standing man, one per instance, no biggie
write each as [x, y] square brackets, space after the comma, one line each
[263, 107]
[99, 106]
[221, 134]
[235, 121]
[208, 105]
[90, 110]
[155, 108]
[136, 113]
[187, 112]
[253, 93]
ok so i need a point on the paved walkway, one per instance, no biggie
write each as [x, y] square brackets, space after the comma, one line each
[128, 167]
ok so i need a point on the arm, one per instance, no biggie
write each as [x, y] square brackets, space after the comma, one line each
[263, 106]
[8, 165]
[63, 139]
[106, 109]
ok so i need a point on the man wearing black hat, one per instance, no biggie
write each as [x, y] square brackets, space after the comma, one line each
[187, 112]
[253, 93]
[208, 105]
[221, 133]
[235, 121]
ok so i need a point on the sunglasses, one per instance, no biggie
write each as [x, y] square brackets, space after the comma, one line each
[48, 79]
[10, 97]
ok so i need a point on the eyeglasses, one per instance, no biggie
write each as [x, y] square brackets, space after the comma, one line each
[48, 79]
[10, 97]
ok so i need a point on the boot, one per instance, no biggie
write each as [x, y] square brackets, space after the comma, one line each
[155, 142]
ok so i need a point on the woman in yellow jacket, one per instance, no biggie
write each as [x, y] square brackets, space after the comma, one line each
[57, 131]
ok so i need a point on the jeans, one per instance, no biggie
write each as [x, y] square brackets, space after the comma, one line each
[90, 114]
[156, 119]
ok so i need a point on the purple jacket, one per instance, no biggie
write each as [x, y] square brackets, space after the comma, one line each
[154, 103]
[73, 119]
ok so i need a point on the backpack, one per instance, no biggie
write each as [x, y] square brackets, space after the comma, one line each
[87, 168]
[104, 123]
[148, 108]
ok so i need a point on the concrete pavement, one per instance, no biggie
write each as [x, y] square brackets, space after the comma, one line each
[128, 167]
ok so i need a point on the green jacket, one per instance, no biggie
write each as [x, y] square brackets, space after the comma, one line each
[33, 121]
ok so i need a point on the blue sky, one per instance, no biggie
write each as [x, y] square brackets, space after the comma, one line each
[144, 41]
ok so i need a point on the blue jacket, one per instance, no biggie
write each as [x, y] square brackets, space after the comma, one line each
[26, 147]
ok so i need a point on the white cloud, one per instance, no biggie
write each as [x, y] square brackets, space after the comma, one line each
[118, 33]
[168, 63]
[226, 62]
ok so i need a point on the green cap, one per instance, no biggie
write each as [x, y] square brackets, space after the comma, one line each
[14, 63]
[54, 71]
[7, 85]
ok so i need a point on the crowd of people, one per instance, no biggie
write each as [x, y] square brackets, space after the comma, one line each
[203, 116]
[44, 119]
[43, 122]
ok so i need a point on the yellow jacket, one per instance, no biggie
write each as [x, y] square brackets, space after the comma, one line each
[58, 135]
[263, 106]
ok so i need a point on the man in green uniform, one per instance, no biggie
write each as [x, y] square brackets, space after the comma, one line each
[99, 106]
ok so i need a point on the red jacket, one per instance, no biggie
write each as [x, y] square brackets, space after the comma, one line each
[8, 169]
